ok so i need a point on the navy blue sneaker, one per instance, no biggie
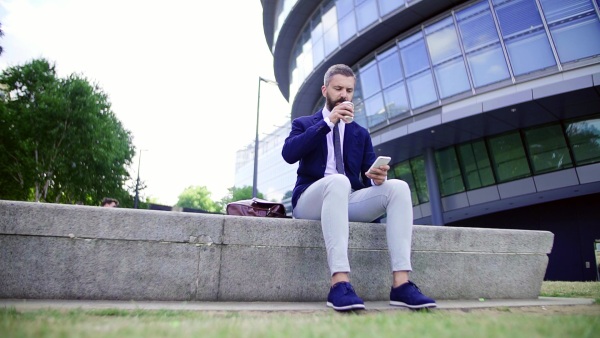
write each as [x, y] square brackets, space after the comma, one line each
[343, 298]
[409, 295]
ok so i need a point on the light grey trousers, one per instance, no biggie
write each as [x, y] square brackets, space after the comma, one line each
[332, 201]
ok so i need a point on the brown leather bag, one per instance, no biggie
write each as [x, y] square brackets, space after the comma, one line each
[256, 207]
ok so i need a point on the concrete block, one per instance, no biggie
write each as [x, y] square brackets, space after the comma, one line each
[74, 268]
[50, 251]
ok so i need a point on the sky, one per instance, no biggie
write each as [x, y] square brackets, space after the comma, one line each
[181, 75]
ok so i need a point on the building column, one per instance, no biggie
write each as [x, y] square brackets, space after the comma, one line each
[433, 188]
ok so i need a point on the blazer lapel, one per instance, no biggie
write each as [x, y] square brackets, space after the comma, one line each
[318, 117]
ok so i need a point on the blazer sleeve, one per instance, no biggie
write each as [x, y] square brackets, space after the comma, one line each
[303, 139]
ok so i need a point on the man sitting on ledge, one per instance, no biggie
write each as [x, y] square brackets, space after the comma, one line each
[335, 187]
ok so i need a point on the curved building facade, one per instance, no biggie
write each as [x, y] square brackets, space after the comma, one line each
[490, 109]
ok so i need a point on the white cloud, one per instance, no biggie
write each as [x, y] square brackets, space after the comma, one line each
[182, 76]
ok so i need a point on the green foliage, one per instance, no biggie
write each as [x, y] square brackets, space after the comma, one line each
[288, 194]
[197, 197]
[59, 140]
[237, 194]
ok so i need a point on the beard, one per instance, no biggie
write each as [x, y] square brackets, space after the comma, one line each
[331, 103]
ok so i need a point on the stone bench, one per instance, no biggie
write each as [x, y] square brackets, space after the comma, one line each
[53, 251]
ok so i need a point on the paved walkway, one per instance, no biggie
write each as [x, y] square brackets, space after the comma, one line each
[35, 304]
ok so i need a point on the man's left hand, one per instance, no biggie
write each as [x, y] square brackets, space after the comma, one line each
[378, 175]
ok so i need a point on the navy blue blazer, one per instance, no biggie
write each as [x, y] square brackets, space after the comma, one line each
[307, 143]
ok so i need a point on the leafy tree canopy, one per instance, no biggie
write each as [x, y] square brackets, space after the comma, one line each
[59, 140]
[237, 194]
[197, 197]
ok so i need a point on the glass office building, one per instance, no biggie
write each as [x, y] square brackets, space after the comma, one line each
[490, 109]
[275, 177]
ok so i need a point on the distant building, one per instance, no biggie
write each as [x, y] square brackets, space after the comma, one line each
[275, 176]
[490, 109]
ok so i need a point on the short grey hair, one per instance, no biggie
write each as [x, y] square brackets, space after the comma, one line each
[340, 69]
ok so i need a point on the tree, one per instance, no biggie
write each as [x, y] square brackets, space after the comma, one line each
[238, 194]
[197, 197]
[1, 35]
[59, 140]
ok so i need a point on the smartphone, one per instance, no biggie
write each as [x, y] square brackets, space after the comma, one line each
[381, 160]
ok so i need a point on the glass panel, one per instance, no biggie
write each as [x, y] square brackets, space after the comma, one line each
[548, 149]
[330, 37]
[344, 7]
[475, 165]
[359, 114]
[584, 138]
[476, 26]
[331, 40]
[414, 54]
[524, 35]
[366, 14]
[329, 18]
[318, 52]
[402, 171]
[386, 6]
[415, 61]
[452, 78]
[485, 57]
[448, 172]
[508, 157]
[421, 89]
[369, 79]
[396, 102]
[574, 27]
[347, 27]
[448, 65]
[374, 110]
[316, 31]
[417, 166]
[488, 66]
[389, 68]
[307, 60]
[442, 40]
[558, 10]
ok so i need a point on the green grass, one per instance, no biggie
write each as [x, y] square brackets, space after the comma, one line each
[572, 289]
[501, 322]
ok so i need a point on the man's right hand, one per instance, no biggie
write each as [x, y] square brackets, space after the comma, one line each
[340, 111]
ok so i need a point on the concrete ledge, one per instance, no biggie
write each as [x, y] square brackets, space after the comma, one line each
[52, 251]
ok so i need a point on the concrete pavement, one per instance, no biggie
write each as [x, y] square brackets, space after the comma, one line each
[36, 304]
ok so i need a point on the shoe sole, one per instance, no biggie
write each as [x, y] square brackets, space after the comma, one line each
[347, 307]
[420, 306]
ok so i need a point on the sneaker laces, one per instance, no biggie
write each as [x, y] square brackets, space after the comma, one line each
[415, 286]
[347, 287]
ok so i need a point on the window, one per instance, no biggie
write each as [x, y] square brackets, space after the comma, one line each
[389, 67]
[374, 109]
[330, 37]
[413, 173]
[475, 165]
[574, 27]
[396, 103]
[524, 36]
[508, 157]
[417, 166]
[366, 13]
[402, 171]
[485, 57]
[547, 149]
[369, 79]
[387, 6]
[584, 138]
[316, 36]
[419, 80]
[448, 172]
[447, 59]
